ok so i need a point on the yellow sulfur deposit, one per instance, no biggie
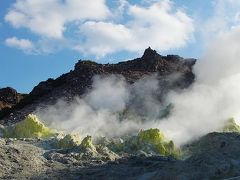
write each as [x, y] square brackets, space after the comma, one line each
[150, 141]
[69, 141]
[152, 136]
[87, 143]
[231, 126]
[156, 141]
[30, 127]
[114, 144]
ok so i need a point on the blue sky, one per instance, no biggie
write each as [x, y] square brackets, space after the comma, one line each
[40, 39]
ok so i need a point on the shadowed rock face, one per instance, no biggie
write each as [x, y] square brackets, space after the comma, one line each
[9, 97]
[77, 81]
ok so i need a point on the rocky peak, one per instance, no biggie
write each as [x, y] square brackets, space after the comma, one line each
[150, 55]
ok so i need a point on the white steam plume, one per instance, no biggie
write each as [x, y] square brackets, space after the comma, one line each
[214, 97]
[109, 94]
[198, 110]
[95, 113]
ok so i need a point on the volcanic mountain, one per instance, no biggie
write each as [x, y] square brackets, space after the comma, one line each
[77, 81]
[31, 150]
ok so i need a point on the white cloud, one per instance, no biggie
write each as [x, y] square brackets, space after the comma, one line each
[225, 16]
[104, 38]
[126, 27]
[158, 26]
[22, 44]
[49, 18]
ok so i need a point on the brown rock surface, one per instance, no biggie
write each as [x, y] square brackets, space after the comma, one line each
[9, 97]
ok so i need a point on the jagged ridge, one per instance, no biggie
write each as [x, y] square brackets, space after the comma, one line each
[75, 83]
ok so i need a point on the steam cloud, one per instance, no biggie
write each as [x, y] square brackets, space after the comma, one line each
[214, 97]
[97, 113]
[198, 110]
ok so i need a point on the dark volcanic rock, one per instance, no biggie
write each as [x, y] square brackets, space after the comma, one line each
[78, 80]
[9, 97]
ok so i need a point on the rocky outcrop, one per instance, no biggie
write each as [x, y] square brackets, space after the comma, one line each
[75, 83]
[9, 97]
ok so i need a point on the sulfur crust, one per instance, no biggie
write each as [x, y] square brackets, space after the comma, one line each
[69, 141]
[155, 139]
[231, 126]
[30, 127]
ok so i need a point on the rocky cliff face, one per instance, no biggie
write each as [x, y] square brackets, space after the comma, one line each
[9, 97]
[77, 81]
